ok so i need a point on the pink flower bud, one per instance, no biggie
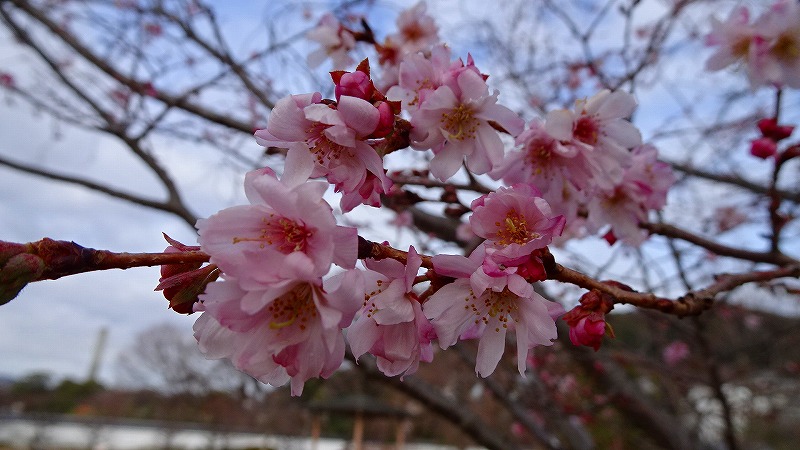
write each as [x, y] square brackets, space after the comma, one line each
[385, 122]
[675, 352]
[763, 148]
[587, 322]
[6, 80]
[355, 84]
[588, 331]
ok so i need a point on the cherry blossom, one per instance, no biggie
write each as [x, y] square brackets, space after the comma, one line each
[329, 141]
[779, 28]
[286, 330]
[391, 324]
[419, 75]
[644, 187]
[456, 126]
[475, 305]
[598, 128]
[285, 217]
[515, 221]
[335, 42]
[416, 30]
[542, 160]
[736, 41]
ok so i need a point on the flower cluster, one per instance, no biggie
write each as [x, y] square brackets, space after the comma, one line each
[768, 47]
[590, 164]
[282, 312]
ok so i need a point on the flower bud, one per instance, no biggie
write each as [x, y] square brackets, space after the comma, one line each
[587, 321]
[355, 84]
[763, 148]
[183, 283]
[385, 122]
[770, 129]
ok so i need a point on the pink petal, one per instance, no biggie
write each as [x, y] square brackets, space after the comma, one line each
[490, 349]
[359, 114]
[559, 124]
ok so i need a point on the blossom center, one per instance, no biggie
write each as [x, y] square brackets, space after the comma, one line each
[741, 48]
[539, 155]
[459, 123]
[502, 305]
[586, 130]
[325, 150]
[514, 229]
[786, 48]
[295, 306]
[285, 235]
[412, 32]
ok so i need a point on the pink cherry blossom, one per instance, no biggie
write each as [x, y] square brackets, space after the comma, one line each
[515, 221]
[598, 127]
[285, 217]
[735, 39]
[416, 30]
[456, 126]
[675, 352]
[287, 330]
[543, 159]
[329, 142]
[475, 305]
[391, 324]
[335, 42]
[779, 28]
[644, 187]
[419, 76]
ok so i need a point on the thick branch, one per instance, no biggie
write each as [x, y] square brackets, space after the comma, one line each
[62, 258]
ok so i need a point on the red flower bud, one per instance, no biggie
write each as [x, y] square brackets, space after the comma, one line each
[182, 284]
[770, 129]
[587, 321]
[763, 148]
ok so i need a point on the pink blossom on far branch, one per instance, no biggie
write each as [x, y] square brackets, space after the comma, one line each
[768, 47]
[335, 42]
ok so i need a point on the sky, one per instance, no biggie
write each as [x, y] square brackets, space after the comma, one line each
[54, 325]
